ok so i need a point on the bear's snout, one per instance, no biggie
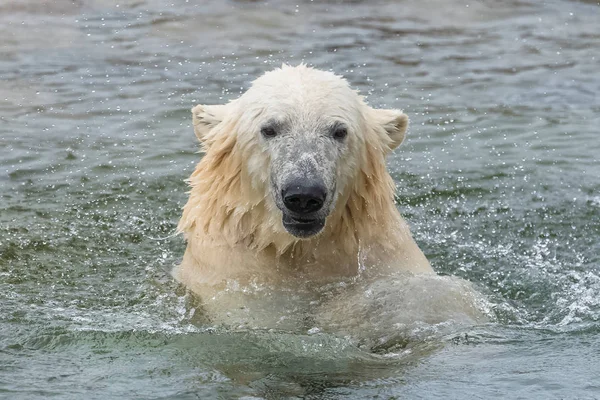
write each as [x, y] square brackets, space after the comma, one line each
[304, 198]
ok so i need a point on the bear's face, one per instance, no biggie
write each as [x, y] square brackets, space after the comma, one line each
[303, 134]
[308, 167]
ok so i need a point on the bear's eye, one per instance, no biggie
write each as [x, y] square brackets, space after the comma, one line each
[340, 132]
[268, 131]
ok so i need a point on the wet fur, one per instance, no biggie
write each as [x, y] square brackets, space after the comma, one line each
[233, 226]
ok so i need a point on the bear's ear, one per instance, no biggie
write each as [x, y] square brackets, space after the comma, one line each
[205, 118]
[395, 123]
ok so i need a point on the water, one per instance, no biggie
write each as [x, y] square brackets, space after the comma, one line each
[499, 178]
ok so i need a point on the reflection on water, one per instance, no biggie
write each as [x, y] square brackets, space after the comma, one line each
[498, 178]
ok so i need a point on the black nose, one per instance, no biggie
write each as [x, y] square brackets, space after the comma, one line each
[304, 199]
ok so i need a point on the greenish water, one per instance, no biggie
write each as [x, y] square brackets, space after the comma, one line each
[499, 179]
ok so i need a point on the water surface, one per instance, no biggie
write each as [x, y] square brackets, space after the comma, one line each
[499, 179]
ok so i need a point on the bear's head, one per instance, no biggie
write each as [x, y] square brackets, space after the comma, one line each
[296, 154]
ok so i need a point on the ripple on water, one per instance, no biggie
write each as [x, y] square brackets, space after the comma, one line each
[498, 179]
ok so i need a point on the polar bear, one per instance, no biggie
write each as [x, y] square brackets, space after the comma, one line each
[293, 184]
[293, 188]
